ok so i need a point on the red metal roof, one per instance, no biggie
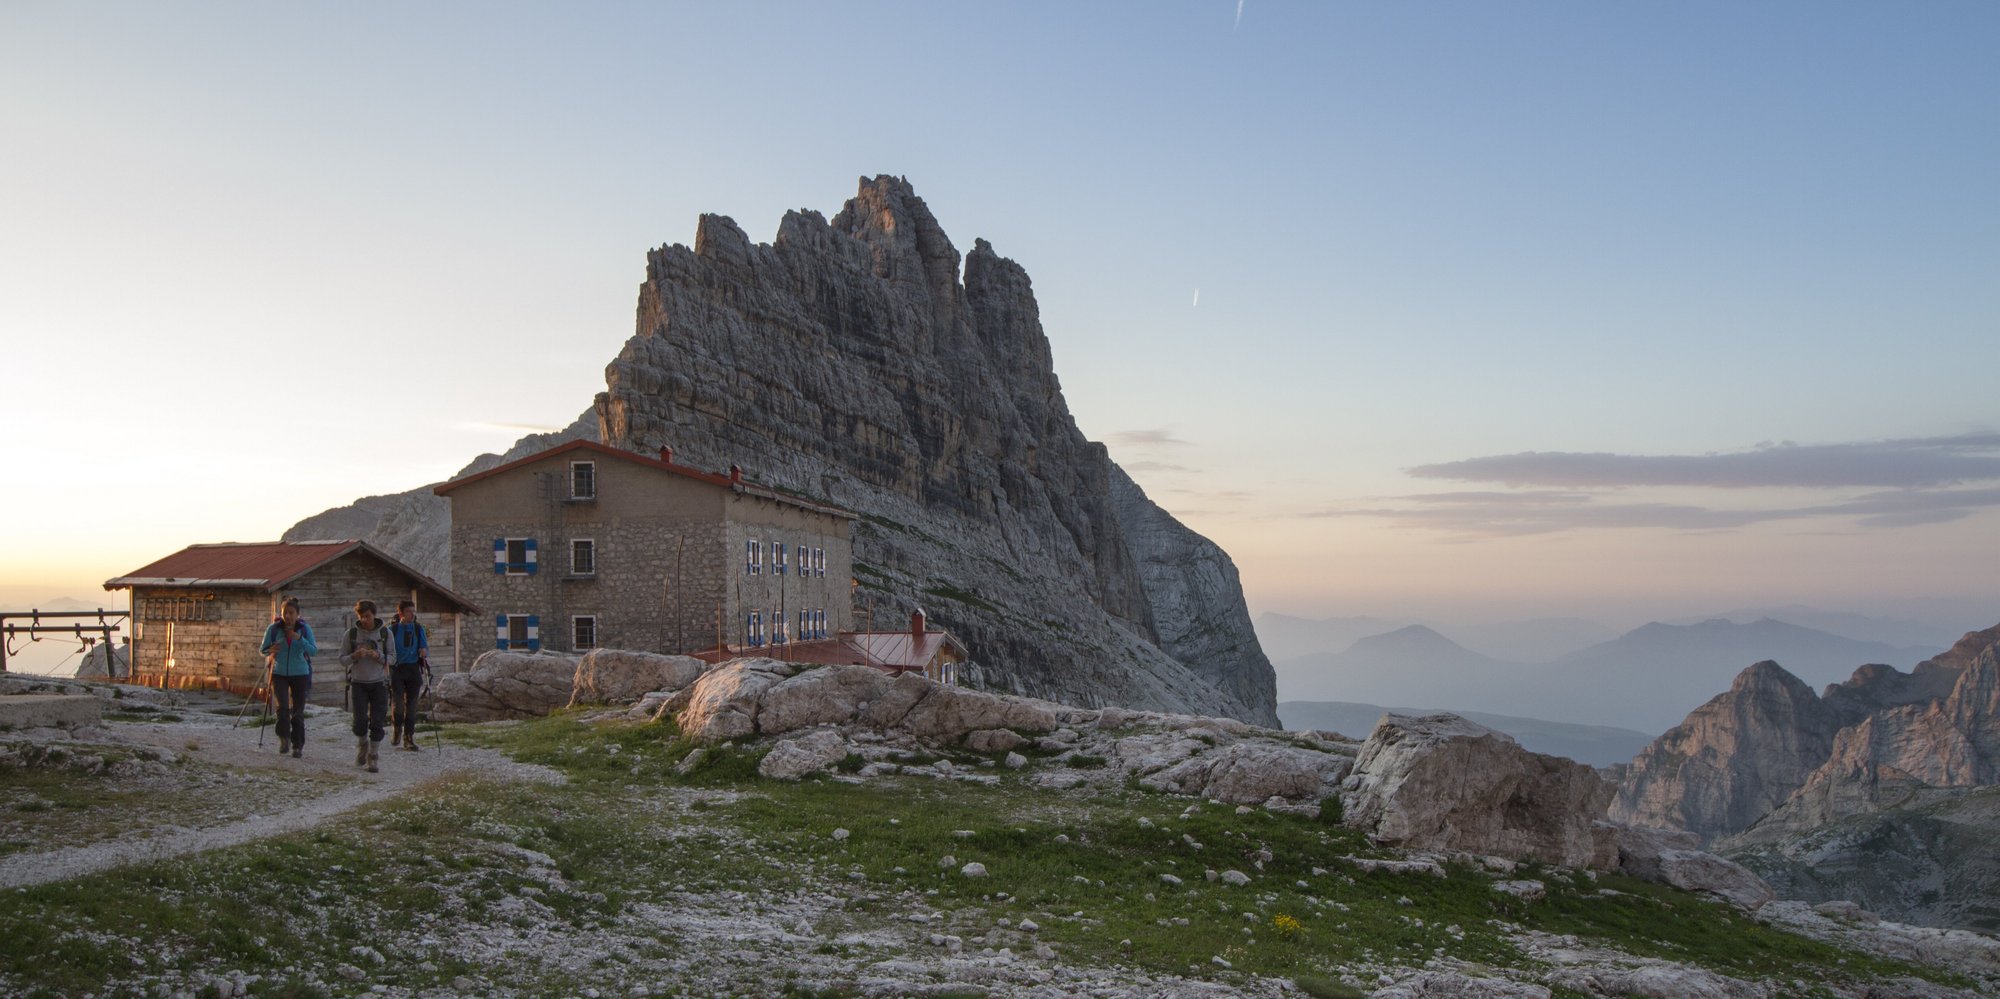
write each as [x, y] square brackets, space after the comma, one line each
[686, 471]
[894, 651]
[266, 565]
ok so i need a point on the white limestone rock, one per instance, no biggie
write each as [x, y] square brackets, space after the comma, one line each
[810, 752]
[505, 684]
[1440, 782]
[623, 676]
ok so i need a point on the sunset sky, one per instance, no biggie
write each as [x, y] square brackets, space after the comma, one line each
[1447, 310]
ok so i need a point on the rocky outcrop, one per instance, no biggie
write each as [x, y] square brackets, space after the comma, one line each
[1733, 759]
[1251, 773]
[1841, 796]
[848, 360]
[1928, 859]
[1439, 782]
[505, 685]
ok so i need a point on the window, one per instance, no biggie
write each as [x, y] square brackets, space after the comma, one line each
[753, 632]
[778, 558]
[517, 631]
[583, 557]
[819, 561]
[753, 559]
[819, 621]
[805, 625]
[514, 556]
[583, 632]
[779, 635]
[583, 480]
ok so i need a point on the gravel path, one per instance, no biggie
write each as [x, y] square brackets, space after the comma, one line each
[214, 740]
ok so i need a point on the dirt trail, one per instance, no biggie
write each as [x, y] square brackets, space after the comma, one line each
[215, 740]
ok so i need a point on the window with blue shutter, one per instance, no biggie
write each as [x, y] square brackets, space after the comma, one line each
[778, 557]
[752, 559]
[517, 631]
[514, 556]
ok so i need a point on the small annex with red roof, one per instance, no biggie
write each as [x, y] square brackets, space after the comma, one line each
[199, 614]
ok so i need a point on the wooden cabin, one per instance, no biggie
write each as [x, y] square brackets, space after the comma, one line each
[199, 614]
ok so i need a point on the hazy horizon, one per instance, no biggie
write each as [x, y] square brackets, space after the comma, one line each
[1452, 313]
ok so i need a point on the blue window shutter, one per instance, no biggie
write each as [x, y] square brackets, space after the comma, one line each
[499, 631]
[530, 567]
[534, 626]
[500, 556]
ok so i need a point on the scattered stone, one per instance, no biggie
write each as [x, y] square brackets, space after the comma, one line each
[973, 870]
[840, 835]
[1526, 891]
[1170, 879]
[1235, 877]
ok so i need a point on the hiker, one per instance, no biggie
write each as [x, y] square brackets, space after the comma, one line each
[367, 651]
[406, 680]
[289, 648]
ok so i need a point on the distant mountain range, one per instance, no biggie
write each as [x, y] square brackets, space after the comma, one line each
[1646, 679]
[1596, 745]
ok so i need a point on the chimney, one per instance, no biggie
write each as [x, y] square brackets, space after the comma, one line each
[736, 475]
[917, 626]
[666, 454]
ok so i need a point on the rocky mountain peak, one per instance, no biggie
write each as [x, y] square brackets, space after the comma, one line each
[848, 360]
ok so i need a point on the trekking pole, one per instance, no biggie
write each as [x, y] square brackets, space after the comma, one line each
[247, 698]
[264, 710]
[437, 731]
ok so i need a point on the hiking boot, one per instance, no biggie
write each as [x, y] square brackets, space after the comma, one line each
[296, 753]
[361, 751]
[284, 745]
[410, 743]
[373, 754]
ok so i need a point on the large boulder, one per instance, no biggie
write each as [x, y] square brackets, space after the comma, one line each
[1695, 870]
[1439, 782]
[724, 703]
[803, 754]
[830, 695]
[1248, 773]
[947, 713]
[622, 676]
[505, 685]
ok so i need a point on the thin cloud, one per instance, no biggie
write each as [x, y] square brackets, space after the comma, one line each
[1153, 466]
[1158, 437]
[1924, 462]
[1529, 513]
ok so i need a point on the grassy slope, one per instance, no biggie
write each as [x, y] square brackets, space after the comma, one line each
[539, 889]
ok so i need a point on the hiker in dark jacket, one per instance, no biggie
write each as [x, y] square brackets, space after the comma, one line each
[289, 644]
[406, 678]
[367, 650]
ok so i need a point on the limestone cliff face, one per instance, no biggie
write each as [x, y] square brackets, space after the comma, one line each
[1900, 755]
[1733, 759]
[1768, 760]
[848, 360]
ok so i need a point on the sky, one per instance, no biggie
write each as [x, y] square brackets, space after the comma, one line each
[1457, 311]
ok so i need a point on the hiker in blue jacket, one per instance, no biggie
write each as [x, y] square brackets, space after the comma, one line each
[406, 677]
[289, 648]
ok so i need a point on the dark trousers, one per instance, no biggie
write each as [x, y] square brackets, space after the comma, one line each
[371, 708]
[406, 681]
[291, 693]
